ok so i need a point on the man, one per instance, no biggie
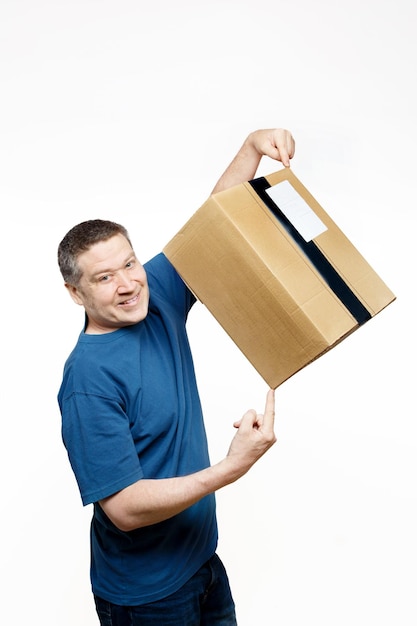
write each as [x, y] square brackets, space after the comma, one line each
[133, 427]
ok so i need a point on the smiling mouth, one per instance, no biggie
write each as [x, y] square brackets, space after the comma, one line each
[130, 301]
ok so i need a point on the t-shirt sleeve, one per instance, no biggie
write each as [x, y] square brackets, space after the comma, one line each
[167, 285]
[100, 447]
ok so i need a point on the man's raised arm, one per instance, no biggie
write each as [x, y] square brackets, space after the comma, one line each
[276, 143]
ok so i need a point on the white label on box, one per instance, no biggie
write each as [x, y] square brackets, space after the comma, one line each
[296, 210]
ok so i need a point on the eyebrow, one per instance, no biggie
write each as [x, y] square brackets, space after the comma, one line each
[110, 270]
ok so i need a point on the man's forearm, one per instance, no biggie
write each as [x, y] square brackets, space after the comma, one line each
[242, 168]
[148, 502]
[276, 143]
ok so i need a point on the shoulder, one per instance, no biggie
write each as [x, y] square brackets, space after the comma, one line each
[159, 270]
[94, 363]
[166, 285]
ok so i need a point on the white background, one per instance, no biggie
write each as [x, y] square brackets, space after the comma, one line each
[130, 110]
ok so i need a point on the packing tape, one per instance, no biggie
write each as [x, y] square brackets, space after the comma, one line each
[323, 266]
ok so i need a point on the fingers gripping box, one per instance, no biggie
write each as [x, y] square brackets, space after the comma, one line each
[277, 273]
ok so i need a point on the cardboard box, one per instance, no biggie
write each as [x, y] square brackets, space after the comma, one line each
[277, 273]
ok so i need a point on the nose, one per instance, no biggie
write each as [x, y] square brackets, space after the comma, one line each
[124, 282]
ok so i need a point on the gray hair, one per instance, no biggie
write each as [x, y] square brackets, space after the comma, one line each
[80, 239]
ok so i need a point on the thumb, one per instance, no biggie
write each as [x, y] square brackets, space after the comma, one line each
[247, 422]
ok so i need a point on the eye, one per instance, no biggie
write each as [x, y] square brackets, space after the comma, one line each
[104, 279]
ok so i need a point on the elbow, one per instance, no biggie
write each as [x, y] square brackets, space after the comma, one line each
[119, 516]
[124, 525]
[120, 521]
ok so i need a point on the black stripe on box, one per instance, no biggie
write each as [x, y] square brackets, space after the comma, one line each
[315, 256]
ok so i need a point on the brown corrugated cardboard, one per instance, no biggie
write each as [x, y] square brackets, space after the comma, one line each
[284, 294]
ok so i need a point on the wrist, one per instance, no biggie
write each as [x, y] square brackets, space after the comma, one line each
[251, 143]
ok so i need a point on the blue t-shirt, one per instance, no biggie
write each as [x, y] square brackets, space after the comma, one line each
[130, 410]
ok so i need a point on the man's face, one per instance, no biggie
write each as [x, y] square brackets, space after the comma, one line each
[113, 289]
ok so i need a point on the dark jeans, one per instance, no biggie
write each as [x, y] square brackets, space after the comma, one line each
[205, 600]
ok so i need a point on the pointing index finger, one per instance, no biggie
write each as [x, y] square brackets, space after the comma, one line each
[269, 415]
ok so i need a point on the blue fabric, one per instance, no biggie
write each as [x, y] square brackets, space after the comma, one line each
[130, 410]
[204, 600]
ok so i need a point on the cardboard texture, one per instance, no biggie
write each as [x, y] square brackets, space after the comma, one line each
[283, 296]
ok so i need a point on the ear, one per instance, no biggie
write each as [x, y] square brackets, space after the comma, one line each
[74, 293]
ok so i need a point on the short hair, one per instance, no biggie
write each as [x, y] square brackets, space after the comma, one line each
[80, 239]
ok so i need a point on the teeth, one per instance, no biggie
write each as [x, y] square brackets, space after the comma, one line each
[131, 300]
